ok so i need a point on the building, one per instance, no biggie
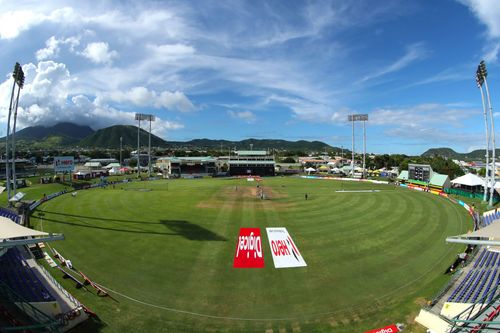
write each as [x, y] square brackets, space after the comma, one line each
[422, 175]
[251, 162]
[187, 166]
[24, 168]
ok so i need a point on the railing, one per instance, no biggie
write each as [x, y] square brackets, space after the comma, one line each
[469, 318]
[42, 320]
[61, 288]
[445, 289]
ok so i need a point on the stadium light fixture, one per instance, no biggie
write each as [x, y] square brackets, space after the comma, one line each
[364, 118]
[150, 118]
[483, 74]
[479, 82]
[18, 76]
[121, 147]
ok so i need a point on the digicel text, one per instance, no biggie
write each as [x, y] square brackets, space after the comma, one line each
[250, 244]
[248, 252]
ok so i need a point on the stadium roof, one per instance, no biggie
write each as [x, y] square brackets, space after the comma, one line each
[438, 179]
[13, 234]
[10, 229]
[403, 175]
[193, 159]
[490, 235]
[469, 180]
[239, 162]
[251, 152]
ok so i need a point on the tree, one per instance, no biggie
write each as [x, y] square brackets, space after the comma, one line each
[288, 160]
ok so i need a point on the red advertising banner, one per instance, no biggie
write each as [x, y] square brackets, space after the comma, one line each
[387, 329]
[248, 252]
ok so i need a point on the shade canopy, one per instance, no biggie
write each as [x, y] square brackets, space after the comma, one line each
[10, 229]
[469, 180]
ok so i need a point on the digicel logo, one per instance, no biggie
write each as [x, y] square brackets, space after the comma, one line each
[249, 249]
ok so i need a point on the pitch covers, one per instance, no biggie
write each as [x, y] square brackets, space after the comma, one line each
[285, 252]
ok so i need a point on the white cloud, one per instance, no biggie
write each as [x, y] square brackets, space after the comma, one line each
[488, 13]
[14, 22]
[143, 97]
[247, 116]
[99, 53]
[413, 53]
[47, 99]
[52, 47]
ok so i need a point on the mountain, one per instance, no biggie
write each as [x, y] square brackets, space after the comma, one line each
[443, 152]
[257, 144]
[59, 135]
[66, 135]
[450, 153]
[109, 137]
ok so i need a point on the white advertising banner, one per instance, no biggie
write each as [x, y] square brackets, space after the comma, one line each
[285, 252]
[64, 164]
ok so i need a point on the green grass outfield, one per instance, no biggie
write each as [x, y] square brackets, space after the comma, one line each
[373, 258]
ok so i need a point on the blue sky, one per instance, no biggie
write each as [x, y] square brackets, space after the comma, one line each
[263, 69]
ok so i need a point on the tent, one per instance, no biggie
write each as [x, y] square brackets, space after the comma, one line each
[114, 171]
[469, 182]
[309, 170]
[323, 168]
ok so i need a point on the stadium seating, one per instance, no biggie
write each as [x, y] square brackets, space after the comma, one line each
[490, 216]
[8, 214]
[21, 278]
[483, 276]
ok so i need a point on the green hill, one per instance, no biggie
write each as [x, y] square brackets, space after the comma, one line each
[109, 137]
[450, 153]
[257, 144]
[59, 135]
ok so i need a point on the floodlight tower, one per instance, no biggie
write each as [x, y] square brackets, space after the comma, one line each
[484, 74]
[151, 118]
[363, 118]
[18, 76]
[138, 117]
[480, 81]
[121, 147]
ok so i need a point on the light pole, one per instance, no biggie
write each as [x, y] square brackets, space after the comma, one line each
[150, 118]
[352, 118]
[483, 74]
[138, 117]
[480, 81]
[18, 76]
[121, 147]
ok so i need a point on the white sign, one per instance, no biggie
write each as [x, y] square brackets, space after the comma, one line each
[285, 252]
[64, 164]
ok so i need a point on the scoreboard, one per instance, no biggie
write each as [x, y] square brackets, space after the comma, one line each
[420, 172]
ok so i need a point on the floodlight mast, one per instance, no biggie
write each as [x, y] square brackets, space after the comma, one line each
[18, 76]
[363, 118]
[20, 83]
[480, 81]
[484, 74]
[121, 146]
